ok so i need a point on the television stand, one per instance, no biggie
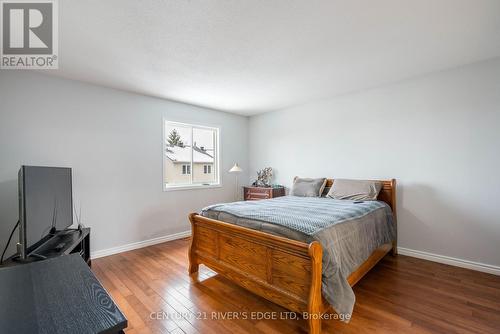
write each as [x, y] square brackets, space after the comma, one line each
[63, 242]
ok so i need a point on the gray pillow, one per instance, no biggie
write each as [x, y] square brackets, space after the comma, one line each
[356, 190]
[307, 187]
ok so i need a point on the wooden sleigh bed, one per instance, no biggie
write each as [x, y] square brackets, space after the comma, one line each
[284, 271]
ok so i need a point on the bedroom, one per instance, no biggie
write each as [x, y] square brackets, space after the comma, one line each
[343, 90]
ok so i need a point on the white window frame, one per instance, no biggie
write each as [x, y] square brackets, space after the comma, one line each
[216, 165]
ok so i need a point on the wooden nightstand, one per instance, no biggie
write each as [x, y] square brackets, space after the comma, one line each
[255, 193]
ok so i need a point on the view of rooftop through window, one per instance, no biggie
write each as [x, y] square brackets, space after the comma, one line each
[190, 155]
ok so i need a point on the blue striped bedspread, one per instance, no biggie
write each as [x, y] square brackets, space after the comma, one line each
[308, 215]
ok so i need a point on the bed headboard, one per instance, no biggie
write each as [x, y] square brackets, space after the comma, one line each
[387, 193]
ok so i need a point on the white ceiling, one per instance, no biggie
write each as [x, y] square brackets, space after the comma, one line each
[253, 56]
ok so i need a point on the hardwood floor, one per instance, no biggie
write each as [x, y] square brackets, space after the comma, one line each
[400, 295]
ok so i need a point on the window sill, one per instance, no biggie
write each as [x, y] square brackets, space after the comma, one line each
[191, 187]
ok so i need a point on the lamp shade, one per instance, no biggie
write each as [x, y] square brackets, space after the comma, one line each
[236, 169]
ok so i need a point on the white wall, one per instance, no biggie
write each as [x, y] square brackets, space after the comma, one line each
[113, 142]
[439, 135]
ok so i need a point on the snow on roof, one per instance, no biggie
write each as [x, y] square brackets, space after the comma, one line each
[183, 154]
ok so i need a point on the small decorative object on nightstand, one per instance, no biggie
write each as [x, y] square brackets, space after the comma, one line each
[255, 193]
[264, 177]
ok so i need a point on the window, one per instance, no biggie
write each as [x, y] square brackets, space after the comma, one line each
[186, 169]
[190, 156]
[207, 169]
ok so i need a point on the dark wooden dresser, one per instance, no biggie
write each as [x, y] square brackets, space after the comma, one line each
[59, 295]
[255, 193]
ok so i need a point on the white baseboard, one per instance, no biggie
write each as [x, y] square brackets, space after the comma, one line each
[486, 268]
[139, 244]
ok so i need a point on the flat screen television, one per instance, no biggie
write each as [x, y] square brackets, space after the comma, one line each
[45, 205]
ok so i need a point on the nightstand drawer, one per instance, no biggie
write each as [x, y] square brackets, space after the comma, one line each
[257, 193]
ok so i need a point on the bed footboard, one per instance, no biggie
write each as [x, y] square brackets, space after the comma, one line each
[284, 271]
